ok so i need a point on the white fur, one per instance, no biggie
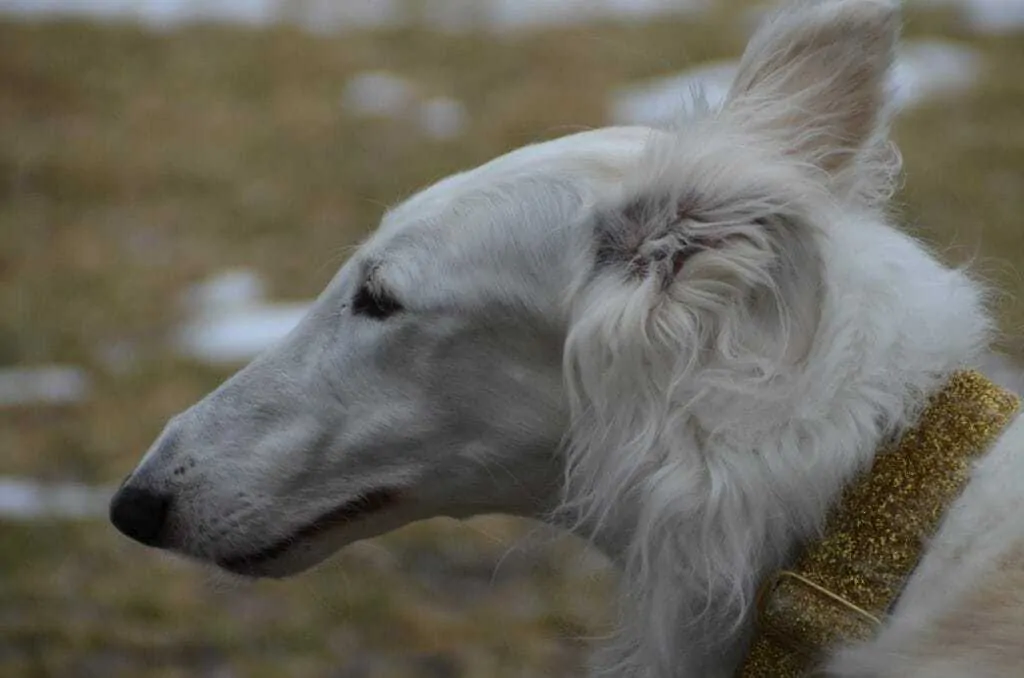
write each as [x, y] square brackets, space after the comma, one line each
[680, 344]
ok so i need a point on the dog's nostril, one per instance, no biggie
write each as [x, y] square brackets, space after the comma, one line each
[140, 513]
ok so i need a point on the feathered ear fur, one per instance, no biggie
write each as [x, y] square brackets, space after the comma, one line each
[686, 328]
[815, 79]
[693, 318]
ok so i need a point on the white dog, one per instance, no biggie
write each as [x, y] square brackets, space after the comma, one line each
[681, 344]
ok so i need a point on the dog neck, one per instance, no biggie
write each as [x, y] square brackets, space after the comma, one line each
[878, 526]
[842, 586]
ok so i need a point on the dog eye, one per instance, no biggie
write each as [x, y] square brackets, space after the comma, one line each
[374, 304]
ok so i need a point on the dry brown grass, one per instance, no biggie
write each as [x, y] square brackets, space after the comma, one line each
[133, 164]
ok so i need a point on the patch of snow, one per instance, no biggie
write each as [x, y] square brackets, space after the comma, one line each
[240, 335]
[929, 69]
[154, 13]
[164, 14]
[924, 70]
[987, 16]
[448, 15]
[43, 385]
[236, 288]
[332, 15]
[378, 94]
[23, 499]
[442, 118]
[384, 95]
[661, 100]
[518, 15]
[231, 323]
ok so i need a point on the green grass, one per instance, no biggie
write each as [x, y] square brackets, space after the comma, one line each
[134, 164]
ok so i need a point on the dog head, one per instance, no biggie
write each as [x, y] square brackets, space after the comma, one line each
[514, 323]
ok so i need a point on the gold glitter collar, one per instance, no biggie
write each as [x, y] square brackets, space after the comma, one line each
[841, 587]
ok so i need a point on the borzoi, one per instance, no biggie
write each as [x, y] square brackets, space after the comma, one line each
[681, 344]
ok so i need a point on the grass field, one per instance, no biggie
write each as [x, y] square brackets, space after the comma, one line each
[134, 164]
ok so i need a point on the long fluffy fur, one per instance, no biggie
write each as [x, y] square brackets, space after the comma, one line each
[718, 409]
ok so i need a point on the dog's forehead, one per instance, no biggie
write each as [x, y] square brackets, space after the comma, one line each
[499, 228]
[585, 164]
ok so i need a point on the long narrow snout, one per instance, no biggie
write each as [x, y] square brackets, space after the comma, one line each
[258, 478]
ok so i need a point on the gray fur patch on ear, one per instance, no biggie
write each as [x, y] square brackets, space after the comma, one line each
[646, 238]
[618, 235]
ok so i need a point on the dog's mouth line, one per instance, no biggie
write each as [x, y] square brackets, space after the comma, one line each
[364, 505]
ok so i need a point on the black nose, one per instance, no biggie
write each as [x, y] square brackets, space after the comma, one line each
[140, 513]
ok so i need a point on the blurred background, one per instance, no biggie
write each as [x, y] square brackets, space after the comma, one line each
[178, 178]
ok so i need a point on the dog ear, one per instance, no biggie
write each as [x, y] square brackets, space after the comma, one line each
[815, 76]
[685, 320]
[736, 283]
